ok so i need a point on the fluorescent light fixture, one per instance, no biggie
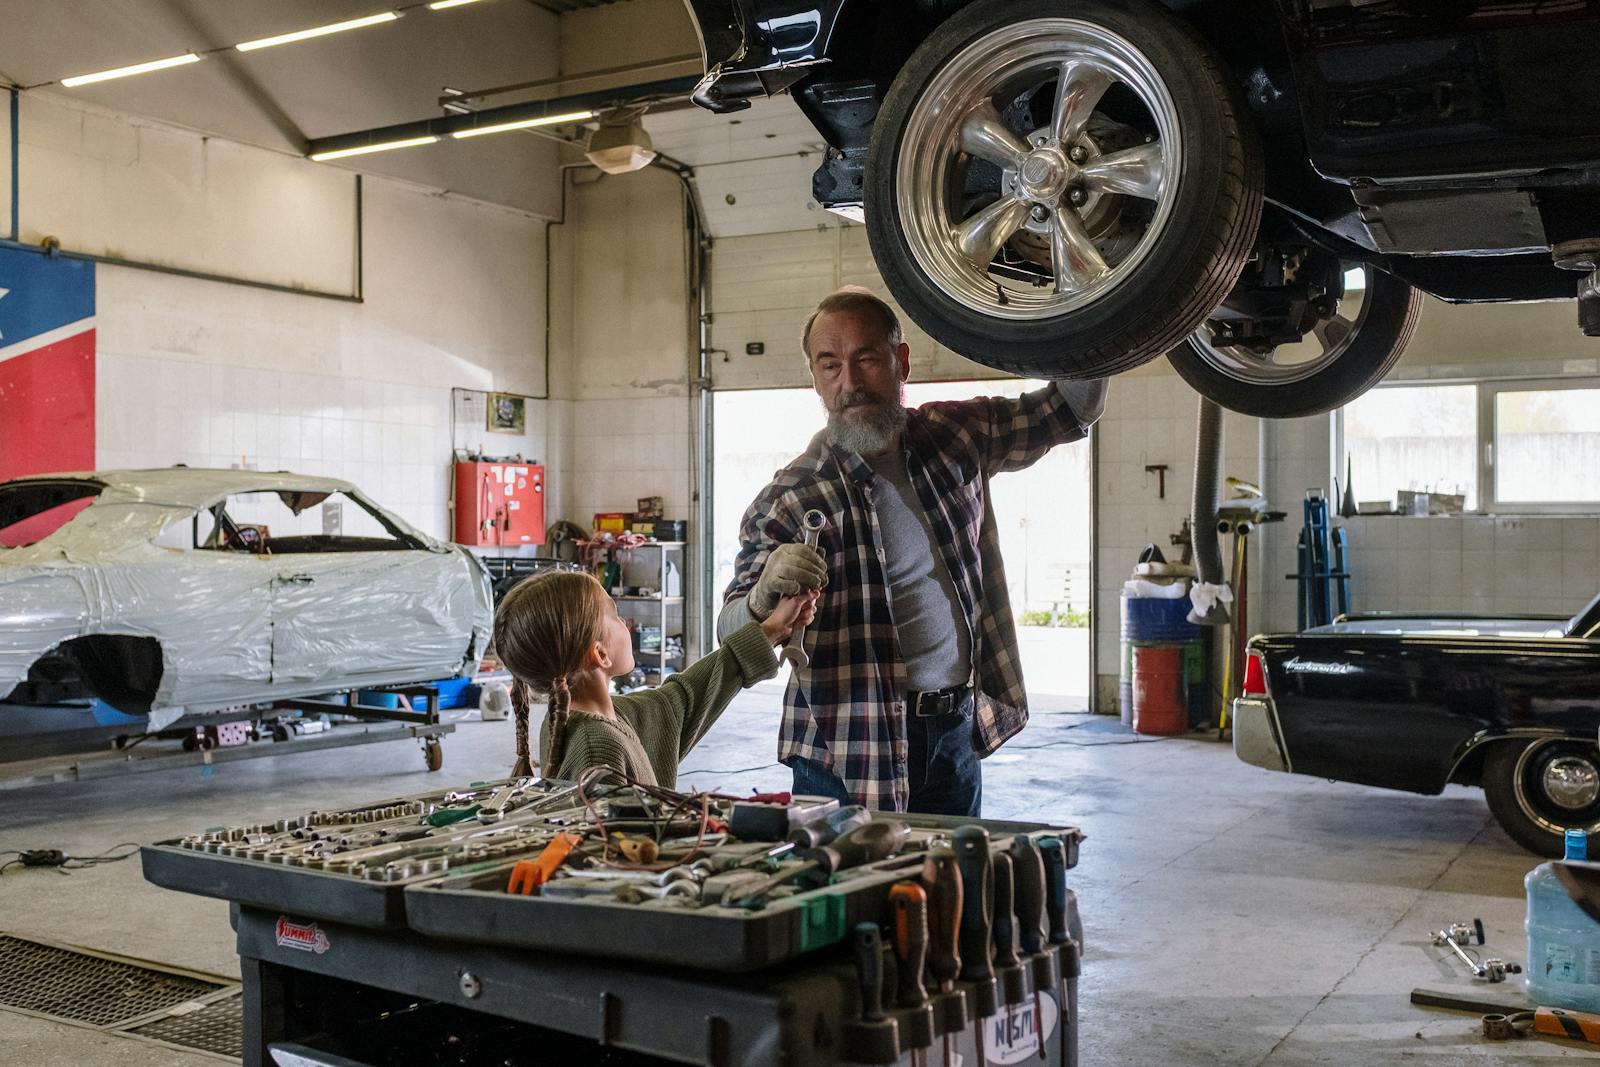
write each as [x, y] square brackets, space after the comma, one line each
[523, 124]
[123, 72]
[318, 31]
[440, 5]
[361, 150]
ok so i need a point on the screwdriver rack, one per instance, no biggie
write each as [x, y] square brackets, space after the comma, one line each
[768, 972]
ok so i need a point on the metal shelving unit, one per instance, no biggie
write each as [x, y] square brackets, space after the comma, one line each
[668, 621]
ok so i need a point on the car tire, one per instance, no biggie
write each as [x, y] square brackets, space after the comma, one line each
[1539, 789]
[1253, 385]
[1154, 283]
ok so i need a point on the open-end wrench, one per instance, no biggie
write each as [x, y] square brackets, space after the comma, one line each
[794, 652]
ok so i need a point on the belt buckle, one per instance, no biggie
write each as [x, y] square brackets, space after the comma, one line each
[942, 703]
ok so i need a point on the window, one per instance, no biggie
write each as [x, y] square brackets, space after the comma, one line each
[1507, 446]
[285, 522]
[30, 511]
[1422, 438]
[1546, 444]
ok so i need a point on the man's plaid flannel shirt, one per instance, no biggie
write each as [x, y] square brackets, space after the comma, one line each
[847, 710]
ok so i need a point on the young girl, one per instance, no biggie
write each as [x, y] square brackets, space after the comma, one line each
[559, 633]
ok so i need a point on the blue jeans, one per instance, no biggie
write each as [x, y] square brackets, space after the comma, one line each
[946, 774]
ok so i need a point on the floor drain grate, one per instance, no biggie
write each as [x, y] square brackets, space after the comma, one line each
[215, 1027]
[116, 995]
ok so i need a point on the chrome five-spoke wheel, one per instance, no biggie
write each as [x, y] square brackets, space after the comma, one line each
[1061, 190]
[1073, 203]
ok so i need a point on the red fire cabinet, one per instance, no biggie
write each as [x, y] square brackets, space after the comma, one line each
[499, 505]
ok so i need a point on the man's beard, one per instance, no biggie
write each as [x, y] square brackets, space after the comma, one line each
[865, 423]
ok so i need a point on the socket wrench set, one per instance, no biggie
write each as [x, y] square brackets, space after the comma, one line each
[600, 867]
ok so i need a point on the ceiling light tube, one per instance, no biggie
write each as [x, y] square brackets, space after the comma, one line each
[523, 124]
[361, 150]
[318, 31]
[123, 72]
[440, 5]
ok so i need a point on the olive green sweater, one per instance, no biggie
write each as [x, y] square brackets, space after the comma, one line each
[655, 728]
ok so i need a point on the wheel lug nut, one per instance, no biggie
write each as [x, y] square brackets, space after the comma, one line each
[1040, 213]
[1078, 153]
[1077, 196]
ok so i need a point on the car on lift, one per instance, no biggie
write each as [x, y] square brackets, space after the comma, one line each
[1511, 704]
[1262, 189]
[180, 590]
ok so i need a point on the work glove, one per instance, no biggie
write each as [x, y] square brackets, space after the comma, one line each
[790, 570]
[1087, 399]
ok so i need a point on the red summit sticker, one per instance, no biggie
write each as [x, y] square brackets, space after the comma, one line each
[303, 936]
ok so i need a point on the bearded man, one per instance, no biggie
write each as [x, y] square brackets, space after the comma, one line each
[914, 674]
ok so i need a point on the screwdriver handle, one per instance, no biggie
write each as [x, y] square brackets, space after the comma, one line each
[869, 843]
[908, 904]
[1027, 878]
[942, 881]
[1055, 887]
[977, 895]
[869, 969]
[1005, 926]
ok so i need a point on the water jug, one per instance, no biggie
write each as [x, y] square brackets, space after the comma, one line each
[1563, 968]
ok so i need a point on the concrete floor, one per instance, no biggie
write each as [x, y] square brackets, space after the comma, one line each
[1232, 915]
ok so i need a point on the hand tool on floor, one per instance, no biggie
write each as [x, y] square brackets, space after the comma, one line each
[529, 874]
[794, 652]
[971, 845]
[1456, 935]
[873, 1038]
[941, 879]
[908, 907]
[869, 843]
[1027, 878]
[1007, 968]
[1563, 1022]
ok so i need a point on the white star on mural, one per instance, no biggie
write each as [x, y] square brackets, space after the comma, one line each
[3, 293]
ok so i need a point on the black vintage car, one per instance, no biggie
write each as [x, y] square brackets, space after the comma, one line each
[1415, 703]
[1262, 188]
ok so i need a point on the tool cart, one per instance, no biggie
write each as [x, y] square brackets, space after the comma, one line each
[529, 921]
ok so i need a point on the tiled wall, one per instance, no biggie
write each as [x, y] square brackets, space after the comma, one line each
[1474, 563]
[392, 441]
[217, 375]
[622, 450]
[1151, 419]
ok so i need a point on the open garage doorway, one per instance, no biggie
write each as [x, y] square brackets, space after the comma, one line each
[1042, 513]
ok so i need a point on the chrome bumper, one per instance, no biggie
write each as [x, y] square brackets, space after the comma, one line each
[1256, 737]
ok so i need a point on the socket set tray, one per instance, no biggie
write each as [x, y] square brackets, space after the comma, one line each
[601, 867]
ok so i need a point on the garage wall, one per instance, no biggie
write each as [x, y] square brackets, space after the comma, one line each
[215, 374]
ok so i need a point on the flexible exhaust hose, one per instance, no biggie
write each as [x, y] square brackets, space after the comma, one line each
[1203, 510]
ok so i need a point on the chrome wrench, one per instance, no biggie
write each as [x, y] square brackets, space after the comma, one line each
[794, 652]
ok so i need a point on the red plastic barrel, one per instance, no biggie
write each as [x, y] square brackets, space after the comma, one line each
[1160, 700]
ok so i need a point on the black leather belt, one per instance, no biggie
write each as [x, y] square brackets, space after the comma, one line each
[937, 702]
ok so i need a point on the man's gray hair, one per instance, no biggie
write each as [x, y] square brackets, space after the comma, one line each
[855, 299]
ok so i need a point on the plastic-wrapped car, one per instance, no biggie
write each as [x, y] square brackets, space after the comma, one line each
[165, 591]
[1261, 188]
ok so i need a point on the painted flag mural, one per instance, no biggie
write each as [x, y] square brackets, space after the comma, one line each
[46, 364]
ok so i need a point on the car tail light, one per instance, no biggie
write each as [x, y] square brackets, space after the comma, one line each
[1255, 675]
